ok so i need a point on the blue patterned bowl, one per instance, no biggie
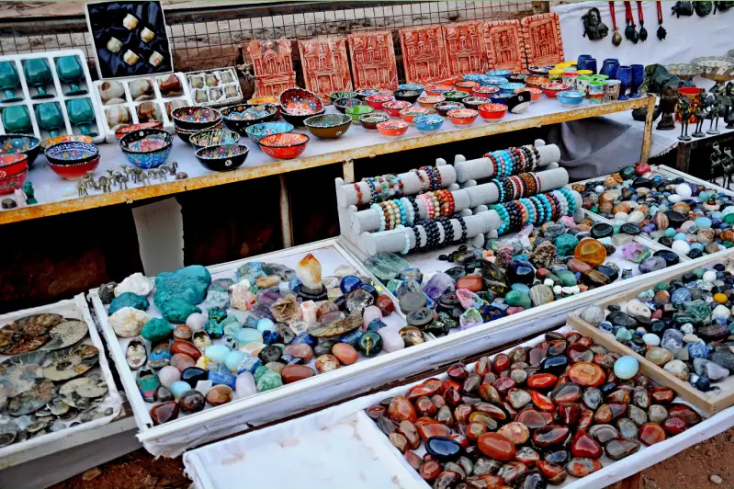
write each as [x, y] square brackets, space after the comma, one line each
[571, 98]
[239, 117]
[21, 143]
[259, 131]
[508, 89]
[191, 118]
[147, 148]
[428, 123]
[342, 104]
[502, 73]
[225, 157]
[214, 137]
[411, 86]
[494, 81]
[71, 153]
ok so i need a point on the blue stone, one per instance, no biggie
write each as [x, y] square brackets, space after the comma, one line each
[696, 246]
[430, 303]
[293, 283]
[370, 289]
[626, 367]
[179, 387]
[270, 337]
[375, 325]
[680, 295]
[304, 338]
[349, 283]
[128, 299]
[703, 222]
[214, 329]
[698, 349]
[352, 338]
[251, 322]
[222, 375]
[670, 232]
[248, 364]
[251, 271]
[521, 288]
[606, 326]
[672, 340]
[680, 237]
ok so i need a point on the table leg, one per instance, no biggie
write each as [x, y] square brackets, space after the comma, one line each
[286, 224]
[647, 132]
[683, 157]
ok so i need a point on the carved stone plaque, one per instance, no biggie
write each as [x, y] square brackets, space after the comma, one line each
[542, 38]
[504, 45]
[273, 66]
[325, 66]
[464, 48]
[373, 60]
[424, 57]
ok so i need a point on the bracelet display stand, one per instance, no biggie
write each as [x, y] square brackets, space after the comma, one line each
[481, 168]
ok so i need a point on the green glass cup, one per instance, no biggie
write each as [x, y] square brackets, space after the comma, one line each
[38, 75]
[81, 113]
[9, 82]
[70, 71]
[50, 118]
[17, 120]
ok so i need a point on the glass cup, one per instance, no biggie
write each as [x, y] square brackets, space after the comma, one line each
[38, 75]
[17, 120]
[638, 75]
[582, 84]
[50, 118]
[9, 82]
[624, 75]
[70, 71]
[81, 113]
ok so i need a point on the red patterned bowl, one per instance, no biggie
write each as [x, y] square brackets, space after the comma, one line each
[485, 91]
[536, 81]
[284, 146]
[466, 85]
[393, 128]
[299, 101]
[492, 112]
[438, 89]
[124, 130]
[11, 165]
[463, 117]
[535, 93]
[377, 101]
[429, 101]
[9, 184]
[409, 114]
[393, 108]
[75, 171]
[552, 89]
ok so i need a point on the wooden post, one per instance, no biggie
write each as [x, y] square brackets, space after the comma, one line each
[647, 133]
[348, 171]
[286, 224]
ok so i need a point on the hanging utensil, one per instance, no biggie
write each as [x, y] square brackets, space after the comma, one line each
[617, 37]
[630, 32]
[643, 31]
[661, 30]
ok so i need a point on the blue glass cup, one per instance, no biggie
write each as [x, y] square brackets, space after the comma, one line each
[609, 68]
[587, 64]
[638, 74]
[624, 75]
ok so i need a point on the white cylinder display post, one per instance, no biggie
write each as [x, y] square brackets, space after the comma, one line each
[481, 168]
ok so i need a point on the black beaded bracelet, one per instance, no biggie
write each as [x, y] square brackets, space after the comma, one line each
[462, 223]
[448, 229]
[432, 233]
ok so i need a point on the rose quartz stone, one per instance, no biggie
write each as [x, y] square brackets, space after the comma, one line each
[391, 339]
[168, 375]
[370, 313]
[196, 321]
[308, 311]
[245, 385]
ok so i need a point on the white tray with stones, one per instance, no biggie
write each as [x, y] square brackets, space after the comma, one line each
[215, 88]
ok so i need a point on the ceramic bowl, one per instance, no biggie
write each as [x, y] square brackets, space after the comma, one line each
[689, 92]
[370, 121]
[517, 77]
[264, 99]
[239, 117]
[536, 81]
[258, 131]
[492, 112]
[334, 96]
[355, 111]
[571, 98]
[497, 98]
[199, 118]
[74, 171]
[71, 153]
[535, 93]
[185, 134]
[439, 89]
[465, 85]
[147, 148]
[21, 143]
[377, 101]
[298, 104]
[393, 128]
[443, 107]
[123, 131]
[214, 137]
[474, 102]
[509, 88]
[428, 101]
[428, 123]
[9, 184]
[363, 93]
[411, 86]
[455, 96]
[475, 77]
[484, 91]
[394, 107]
[411, 113]
[463, 117]
[408, 95]
[552, 89]
[496, 73]
[284, 146]
[342, 104]
[684, 71]
[47, 143]
[222, 157]
[495, 81]
[540, 70]
[13, 164]
[328, 126]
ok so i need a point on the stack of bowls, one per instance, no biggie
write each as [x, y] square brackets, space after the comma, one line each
[28, 145]
[189, 120]
[241, 116]
[13, 172]
[79, 138]
[147, 148]
[298, 104]
[72, 160]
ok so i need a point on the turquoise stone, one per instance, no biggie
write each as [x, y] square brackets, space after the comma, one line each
[156, 330]
[670, 232]
[259, 372]
[521, 288]
[265, 324]
[565, 244]
[213, 328]
[568, 279]
[626, 367]
[698, 272]
[128, 299]
[178, 292]
[248, 335]
[251, 271]
[269, 380]
[217, 314]
[517, 298]
[233, 359]
[176, 309]
[623, 334]
[680, 237]
[230, 326]
[729, 218]
[703, 222]
[179, 387]
[216, 353]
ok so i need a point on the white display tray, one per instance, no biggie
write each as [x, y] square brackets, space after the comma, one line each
[318, 451]
[41, 446]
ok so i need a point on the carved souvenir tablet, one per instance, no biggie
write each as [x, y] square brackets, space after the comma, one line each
[542, 39]
[424, 58]
[325, 66]
[503, 43]
[464, 48]
[373, 60]
[273, 66]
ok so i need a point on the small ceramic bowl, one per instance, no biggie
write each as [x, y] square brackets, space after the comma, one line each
[241, 116]
[411, 86]
[571, 98]
[363, 93]
[495, 81]
[185, 134]
[370, 121]
[377, 101]
[21, 143]
[443, 107]
[13, 164]
[394, 107]
[475, 77]
[223, 157]
[334, 96]
[355, 111]
[215, 137]
[455, 96]
[47, 143]
[284, 146]
[409, 114]
[342, 104]
[497, 98]
[535, 93]
[552, 89]
[195, 118]
[492, 112]
[393, 128]
[463, 117]
[408, 95]
[465, 85]
[71, 153]
[536, 81]
[259, 131]
[517, 77]
[474, 102]
[540, 70]
[509, 88]
[147, 148]
[428, 101]
[485, 91]
[9, 184]
[438, 89]
[496, 73]
[428, 123]
[264, 99]
[298, 104]
[328, 126]
[123, 131]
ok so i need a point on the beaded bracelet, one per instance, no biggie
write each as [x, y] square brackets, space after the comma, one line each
[462, 223]
[557, 204]
[571, 200]
[441, 228]
[539, 208]
[421, 178]
[547, 209]
[383, 221]
[530, 210]
[504, 215]
[417, 235]
[451, 207]
[407, 208]
[500, 189]
[561, 199]
[448, 229]
[432, 233]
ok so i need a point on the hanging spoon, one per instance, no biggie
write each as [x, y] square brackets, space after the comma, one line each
[643, 31]
[630, 32]
[616, 37]
[661, 30]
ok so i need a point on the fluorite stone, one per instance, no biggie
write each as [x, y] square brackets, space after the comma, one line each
[591, 252]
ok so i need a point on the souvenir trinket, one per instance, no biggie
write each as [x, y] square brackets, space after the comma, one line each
[616, 36]
[661, 30]
[594, 28]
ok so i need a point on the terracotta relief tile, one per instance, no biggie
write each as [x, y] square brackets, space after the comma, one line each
[464, 48]
[373, 60]
[542, 38]
[424, 57]
[273, 66]
[503, 44]
[325, 66]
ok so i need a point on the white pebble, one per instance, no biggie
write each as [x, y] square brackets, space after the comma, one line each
[674, 198]
[681, 247]
[651, 339]
[716, 479]
[720, 311]
[599, 189]
[684, 190]
[621, 216]
[709, 276]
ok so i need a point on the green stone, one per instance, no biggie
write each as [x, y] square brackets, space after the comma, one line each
[230, 326]
[661, 286]
[176, 309]
[568, 279]
[729, 218]
[259, 372]
[128, 299]
[386, 265]
[698, 272]
[217, 314]
[565, 244]
[270, 380]
[728, 244]
[178, 292]
[214, 328]
[518, 298]
[156, 330]
[696, 312]
[623, 334]
[595, 209]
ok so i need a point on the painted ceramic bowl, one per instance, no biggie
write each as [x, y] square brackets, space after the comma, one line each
[328, 126]
[475, 77]
[298, 104]
[492, 112]
[13, 164]
[455, 96]
[259, 131]
[75, 171]
[475, 102]
[465, 85]
[408, 95]
[363, 93]
[536, 81]
[122, 131]
[552, 89]
[21, 144]
[517, 78]
[223, 157]
[185, 134]
[496, 73]
[47, 143]
[428, 123]
[394, 107]
[214, 137]
[355, 111]
[284, 146]
[392, 128]
[10, 183]
[497, 98]
[463, 117]
[342, 104]
[370, 121]
[334, 96]
[411, 86]
[377, 101]
[147, 148]
[443, 107]
[535, 93]
[409, 114]
[484, 91]
[540, 70]
[684, 71]
[509, 88]
[199, 118]
[428, 101]
[571, 98]
[495, 81]
[438, 89]
[71, 153]
[239, 117]
[264, 99]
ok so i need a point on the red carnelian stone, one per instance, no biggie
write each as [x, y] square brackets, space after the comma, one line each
[662, 395]
[553, 473]
[542, 381]
[427, 431]
[462, 412]
[483, 366]
[581, 467]
[587, 374]
[385, 304]
[375, 412]
[569, 413]
[434, 385]
[452, 397]
[460, 439]
[429, 470]
[438, 401]
[496, 446]
[418, 391]
[684, 412]
[414, 460]
[458, 372]
[652, 433]
[491, 410]
[583, 445]
[586, 419]
[542, 402]
[474, 430]
[448, 384]
[674, 426]
[501, 363]
[503, 385]
[486, 481]
[568, 392]
[425, 407]
[620, 396]
[401, 408]
[516, 432]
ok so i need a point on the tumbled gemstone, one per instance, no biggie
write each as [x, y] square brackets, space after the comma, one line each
[587, 374]
[452, 397]
[583, 445]
[446, 480]
[399, 441]
[662, 395]
[620, 396]
[530, 480]
[619, 448]
[652, 433]
[413, 459]
[462, 412]
[471, 384]
[429, 470]
[627, 428]
[550, 435]
[609, 412]
[419, 391]
[603, 432]
[458, 372]
[541, 402]
[164, 412]
[512, 471]
[684, 412]
[516, 432]
[641, 397]
[518, 398]
[445, 416]
[534, 419]
[427, 431]
[566, 393]
[443, 448]
[425, 407]
[485, 419]
[569, 413]
[558, 456]
[192, 401]
[496, 446]
[474, 430]
[542, 381]
[674, 426]
[555, 365]
[294, 373]
[586, 419]
[482, 366]
[527, 456]
[581, 467]
[503, 385]
[487, 466]
[410, 432]
[488, 393]
[401, 408]
[553, 473]
[501, 363]
[491, 410]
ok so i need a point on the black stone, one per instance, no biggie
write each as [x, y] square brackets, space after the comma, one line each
[630, 228]
[641, 182]
[420, 318]
[621, 319]
[670, 257]
[689, 277]
[555, 365]
[695, 253]
[703, 384]
[676, 219]
[456, 272]
[521, 272]
[271, 353]
[713, 332]
[610, 272]
[193, 375]
[443, 257]
[163, 394]
[386, 425]
[666, 241]
[601, 230]
[442, 448]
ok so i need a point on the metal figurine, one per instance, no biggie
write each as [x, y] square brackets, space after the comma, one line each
[703, 8]
[594, 28]
[728, 163]
[714, 114]
[667, 106]
[682, 8]
[104, 184]
[701, 110]
[629, 31]
[616, 37]
[717, 164]
[686, 111]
